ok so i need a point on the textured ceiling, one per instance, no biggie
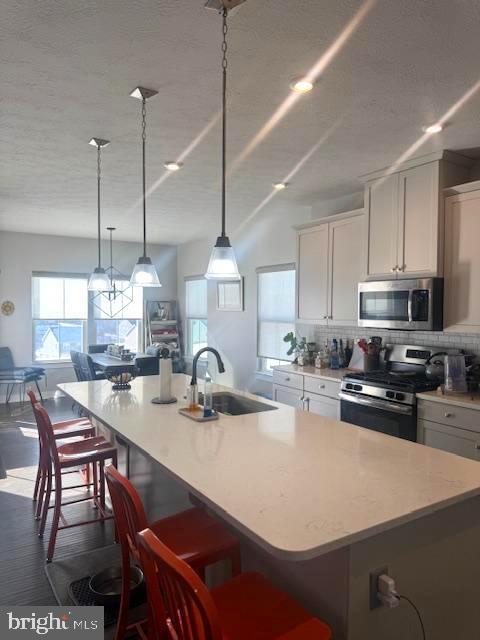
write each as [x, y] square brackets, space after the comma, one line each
[68, 67]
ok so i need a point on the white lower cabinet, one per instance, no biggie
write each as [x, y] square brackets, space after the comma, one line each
[310, 393]
[453, 439]
[287, 395]
[322, 405]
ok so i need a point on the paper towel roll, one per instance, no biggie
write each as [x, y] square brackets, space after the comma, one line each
[165, 379]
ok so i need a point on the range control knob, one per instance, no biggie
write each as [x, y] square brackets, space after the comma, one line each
[400, 396]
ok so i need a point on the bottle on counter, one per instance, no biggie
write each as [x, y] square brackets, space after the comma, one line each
[325, 356]
[341, 355]
[192, 397]
[318, 360]
[334, 360]
[207, 395]
[348, 352]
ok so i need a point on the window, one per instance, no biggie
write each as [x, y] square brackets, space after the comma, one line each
[276, 314]
[196, 314]
[59, 314]
[125, 327]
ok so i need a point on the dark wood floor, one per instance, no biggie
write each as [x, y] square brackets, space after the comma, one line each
[22, 553]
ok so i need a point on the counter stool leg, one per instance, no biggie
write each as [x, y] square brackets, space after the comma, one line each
[56, 517]
[46, 505]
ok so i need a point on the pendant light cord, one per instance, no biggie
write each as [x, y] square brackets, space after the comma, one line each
[144, 143]
[99, 173]
[224, 115]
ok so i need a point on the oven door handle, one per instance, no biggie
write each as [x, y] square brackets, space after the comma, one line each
[383, 405]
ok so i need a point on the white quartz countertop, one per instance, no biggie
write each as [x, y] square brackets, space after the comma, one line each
[466, 400]
[335, 375]
[296, 483]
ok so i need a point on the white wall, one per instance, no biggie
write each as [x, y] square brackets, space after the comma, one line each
[21, 254]
[269, 239]
[338, 205]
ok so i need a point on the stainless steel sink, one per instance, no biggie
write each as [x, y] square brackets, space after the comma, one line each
[231, 404]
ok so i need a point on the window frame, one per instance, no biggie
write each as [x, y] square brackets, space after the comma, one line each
[84, 321]
[188, 347]
[289, 266]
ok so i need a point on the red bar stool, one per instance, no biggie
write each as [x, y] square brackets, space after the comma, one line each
[65, 429]
[192, 534]
[245, 608]
[55, 459]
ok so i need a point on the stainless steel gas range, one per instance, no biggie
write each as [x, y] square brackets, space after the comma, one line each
[385, 400]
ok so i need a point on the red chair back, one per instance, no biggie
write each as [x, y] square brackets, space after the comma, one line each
[47, 437]
[180, 605]
[130, 517]
[33, 397]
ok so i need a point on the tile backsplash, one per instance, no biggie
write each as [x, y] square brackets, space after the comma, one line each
[469, 342]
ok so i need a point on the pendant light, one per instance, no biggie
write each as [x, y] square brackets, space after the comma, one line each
[99, 280]
[144, 273]
[223, 264]
[112, 302]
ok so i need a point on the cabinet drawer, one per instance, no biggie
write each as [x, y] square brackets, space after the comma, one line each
[287, 395]
[449, 415]
[324, 387]
[321, 405]
[294, 380]
[453, 439]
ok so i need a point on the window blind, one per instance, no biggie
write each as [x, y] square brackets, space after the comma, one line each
[196, 298]
[276, 311]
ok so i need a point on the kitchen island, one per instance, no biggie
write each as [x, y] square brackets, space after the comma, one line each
[319, 504]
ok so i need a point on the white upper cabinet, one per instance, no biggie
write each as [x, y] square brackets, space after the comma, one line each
[382, 213]
[462, 263]
[405, 216]
[418, 221]
[330, 264]
[312, 274]
[347, 264]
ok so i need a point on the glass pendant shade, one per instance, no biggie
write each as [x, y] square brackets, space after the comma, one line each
[144, 274]
[99, 280]
[223, 264]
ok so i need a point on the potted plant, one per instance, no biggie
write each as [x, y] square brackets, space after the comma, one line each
[297, 347]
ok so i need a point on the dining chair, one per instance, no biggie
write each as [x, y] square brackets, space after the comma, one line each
[93, 451]
[75, 428]
[193, 534]
[247, 607]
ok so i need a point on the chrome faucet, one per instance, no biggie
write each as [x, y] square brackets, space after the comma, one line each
[221, 367]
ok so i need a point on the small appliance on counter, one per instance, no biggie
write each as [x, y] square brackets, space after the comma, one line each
[409, 305]
[385, 400]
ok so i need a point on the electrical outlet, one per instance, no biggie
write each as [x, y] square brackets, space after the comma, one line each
[375, 603]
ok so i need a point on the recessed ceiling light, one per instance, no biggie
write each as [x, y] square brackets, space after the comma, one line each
[433, 128]
[280, 186]
[171, 165]
[301, 85]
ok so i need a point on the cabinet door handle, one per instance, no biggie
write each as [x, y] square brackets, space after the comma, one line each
[448, 415]
[287, 379]
[321, 386]
[477, 447]
[403, 267]
[393, 269]
[325, 317]
[307, 401]
[330, 317]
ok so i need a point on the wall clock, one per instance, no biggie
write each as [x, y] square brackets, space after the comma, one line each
[7, 308]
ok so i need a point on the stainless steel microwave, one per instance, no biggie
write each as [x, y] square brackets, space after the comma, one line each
[411, 305]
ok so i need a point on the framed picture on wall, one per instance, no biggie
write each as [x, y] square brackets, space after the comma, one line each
[230, 295]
